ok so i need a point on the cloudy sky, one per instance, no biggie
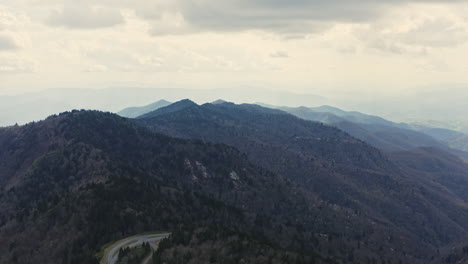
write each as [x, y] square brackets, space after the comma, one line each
[305, 46]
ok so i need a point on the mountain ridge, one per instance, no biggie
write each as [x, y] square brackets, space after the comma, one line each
[324, 160]
[98, 177]
[133, 112]
[303, 184]
[382, 133]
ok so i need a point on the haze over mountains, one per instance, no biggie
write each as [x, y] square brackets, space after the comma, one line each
[372, 129]
[28, 107]
[133, 112]
[383, 133]
[233, 132]
[434, 108]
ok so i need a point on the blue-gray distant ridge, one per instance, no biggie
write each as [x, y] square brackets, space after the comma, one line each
[132, 112]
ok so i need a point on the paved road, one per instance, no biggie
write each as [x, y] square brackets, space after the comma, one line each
[133, 242]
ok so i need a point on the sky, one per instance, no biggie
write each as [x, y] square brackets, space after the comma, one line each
[367, 47]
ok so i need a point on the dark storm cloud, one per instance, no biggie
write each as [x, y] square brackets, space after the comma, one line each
[292, 16]
[281, 15]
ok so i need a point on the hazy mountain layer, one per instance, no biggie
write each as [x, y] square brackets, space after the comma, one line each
[133, 112]
[382, 133]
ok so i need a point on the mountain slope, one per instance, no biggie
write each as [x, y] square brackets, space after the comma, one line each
[232, 247]
[133, 112]
[353, 116]
[180, 105]
[460, 142]
[443, 171]
[454, 139]
[76, 181]
[374, 130]
[382, 133]
[82, 179]
[327, 162]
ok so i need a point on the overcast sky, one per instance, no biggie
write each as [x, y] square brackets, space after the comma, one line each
[380, 47]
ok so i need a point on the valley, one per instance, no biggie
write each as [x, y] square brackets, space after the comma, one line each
[233, 132]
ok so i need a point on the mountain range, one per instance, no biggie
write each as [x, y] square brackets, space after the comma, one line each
[82, 179]
[233, 183]
[35, 106]
[382, 133]
[328, 162]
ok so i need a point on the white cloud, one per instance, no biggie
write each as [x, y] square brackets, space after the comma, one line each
[97, 68]
[279, 54]
[170, 24]
[7, 18]
[201, 43]
[438, 32]
[412, 30]
[81, 16]
[13, 64]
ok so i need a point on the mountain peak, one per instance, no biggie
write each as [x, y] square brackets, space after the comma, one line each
[330, 109]
[186, 100]
[177, 106]
[219, 101]
[182, 103]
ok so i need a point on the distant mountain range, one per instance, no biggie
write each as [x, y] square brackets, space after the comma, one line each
[375, 130]
[382, 133]
[35, 106]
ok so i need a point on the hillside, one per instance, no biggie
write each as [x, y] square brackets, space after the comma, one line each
[208, 245]
[378, 132]
[82, 179]
[381, 133]
[331, 164]
[460, 142]
[443, 171]
[169, 109]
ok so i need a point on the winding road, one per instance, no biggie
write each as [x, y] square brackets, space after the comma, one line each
[112, 253]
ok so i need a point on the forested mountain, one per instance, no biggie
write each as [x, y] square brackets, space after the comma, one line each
[336, 167]
[388, 137]
[460, 142]
[76, 181]
[453, 139]
[240, 181]
[374, 130]
[204, 245]
[442, 171]
[169, 109]
[382, 133]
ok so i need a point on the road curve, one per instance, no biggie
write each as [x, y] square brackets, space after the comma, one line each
[113, 254]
